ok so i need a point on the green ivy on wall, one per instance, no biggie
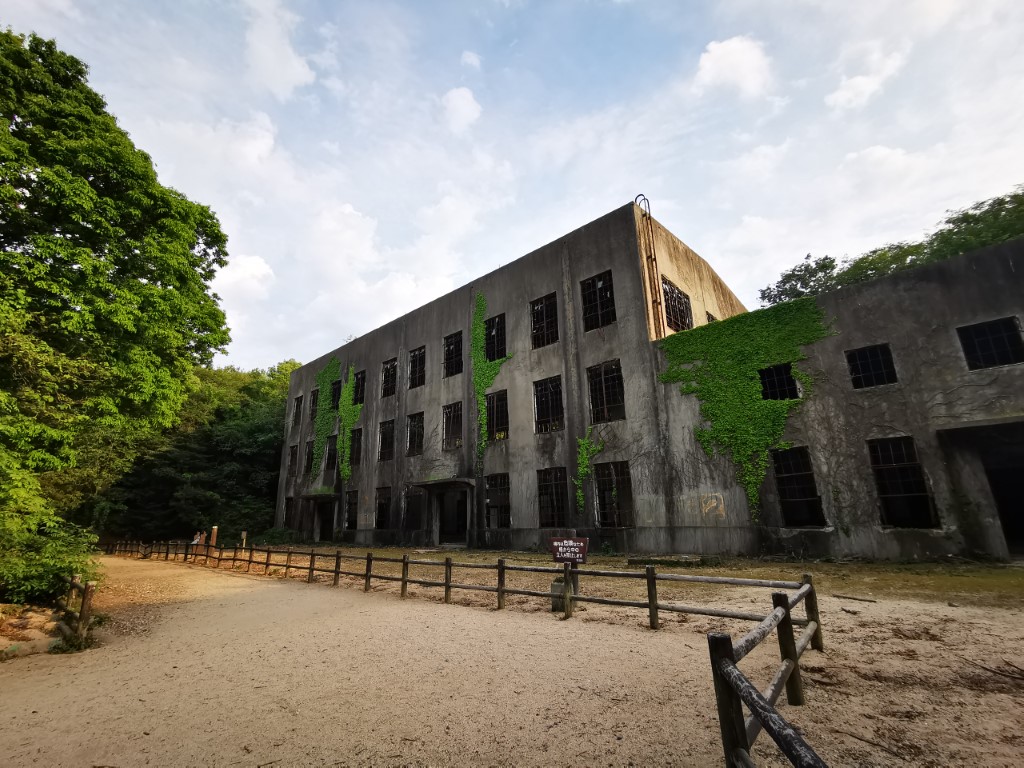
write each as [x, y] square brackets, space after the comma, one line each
[586, 449]
[484, 371]
[325, 414]
[348, 415]
[719, 363]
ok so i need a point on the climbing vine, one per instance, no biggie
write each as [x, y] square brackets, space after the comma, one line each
[586, 449]
[324, 420]
[719, 363]
[348, 415]
[484, 371]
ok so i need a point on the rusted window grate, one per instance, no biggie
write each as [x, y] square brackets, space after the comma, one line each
[386, 446]
[389, 377]
[499, 508]
[997, 342]
[547, 397]
[359, 388]
[544, 317]
[296, 411]
[417, 367]
[607, 393]
[678, 313]
[777, 383]
[598, 301]
[497, 415]
[871, 366]
[902, 488]
[552, 497]
[799, 500]
[331, 464]
[351, 510]
[335, 394]
[314, 400]
[494, 337]
[415, 434]
[307, 464]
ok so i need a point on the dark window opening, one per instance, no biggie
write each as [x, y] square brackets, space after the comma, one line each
[553, 497]
[494, 337]
[332, 458]
[359, 388]
[777, 383]
[389, 377]
[798, 493]
[355, 451]
[314, 400]
[417, 367]
[710, 318]
[678, 312]
[289, 511]
[351, 510]
[415, 434]
[871, 366]
[598, 301]
[607, 393]
[382, 520]
[307, 464]
[614, 489]
[544, 316]
[499, 507]
[997, 342]
[297, 411]
[335, 394]
[547, 397]
[453, 354]
[451, 426]
[902, 489]
[497, 415]
[415, 503]
[293, 460]
[386, 449]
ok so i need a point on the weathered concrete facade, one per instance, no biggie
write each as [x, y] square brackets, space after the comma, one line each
[964, 457]
[967, 425]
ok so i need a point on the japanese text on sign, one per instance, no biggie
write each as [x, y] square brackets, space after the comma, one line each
[570, 550]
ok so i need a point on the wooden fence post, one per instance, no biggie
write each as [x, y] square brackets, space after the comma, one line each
[405, 575]
[652, 597]
[337, 568]
[288, 562]
[248, 565]
[787, 650]
[566, 591]
[730, 706]
[501, 583]
[220, 556]
[234, 557]
[167, 551]
[811, 604]
[206, 558]
[369, 571]
[266, 565]
[312, 565]
[85, 613]
[575, 578]
[447, 579]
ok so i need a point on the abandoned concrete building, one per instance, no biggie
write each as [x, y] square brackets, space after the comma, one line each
[534, 402]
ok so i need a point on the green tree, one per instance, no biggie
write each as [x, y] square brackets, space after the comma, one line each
[986, 223]
[105, 305]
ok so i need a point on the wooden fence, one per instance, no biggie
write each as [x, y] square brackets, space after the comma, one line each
[75, 623]
[732, 688]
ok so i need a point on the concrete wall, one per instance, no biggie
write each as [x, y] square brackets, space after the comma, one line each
[935, 399]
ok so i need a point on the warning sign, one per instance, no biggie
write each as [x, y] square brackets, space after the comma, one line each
[570, 550]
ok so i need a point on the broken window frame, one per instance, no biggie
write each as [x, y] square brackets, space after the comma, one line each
[552, 498]
[778, 383]
[992, 344]
[417, 367]
[382, 508]
[314, 400]
[351, 510]
[451, 426]
[453, 354]
[613, 494]
[293, 460]
[386, 440]
[414, 434]
[549, 411]
[355, 447]
[331, 458]
[905, 499]
[598, 301]
[498, 503]
[389, 377]
[544, 321]
[297, 410]
[494, 338]
[796, 488]
[307, 461]
[497, 415]
[678, 310]
[871, 366]
[359, 388]
[607, 392]
[335, 394]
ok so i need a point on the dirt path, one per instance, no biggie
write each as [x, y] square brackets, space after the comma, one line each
[211, 668]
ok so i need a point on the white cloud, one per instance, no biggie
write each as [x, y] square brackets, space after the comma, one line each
[854, 92]
[273, 62]
[244, 279]
[470, 59]
[740, 63]
[759, 163]
[461, 110]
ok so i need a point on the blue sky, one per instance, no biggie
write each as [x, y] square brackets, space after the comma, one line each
[366, 157]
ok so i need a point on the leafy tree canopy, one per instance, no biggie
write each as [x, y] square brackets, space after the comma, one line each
[986, 223]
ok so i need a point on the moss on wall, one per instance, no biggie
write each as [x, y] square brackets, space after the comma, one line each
[347, 414]
[484, 371]
[719, 363]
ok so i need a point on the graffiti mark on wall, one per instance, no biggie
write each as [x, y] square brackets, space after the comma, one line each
[713, 504]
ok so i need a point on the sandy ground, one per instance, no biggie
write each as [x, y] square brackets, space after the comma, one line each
[200, 667]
